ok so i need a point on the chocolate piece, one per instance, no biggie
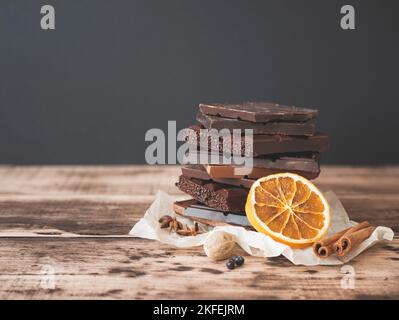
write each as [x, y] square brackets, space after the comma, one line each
[259, 111]
[283, 128]
[262, 144]
[198, 172]
[219, 196]
[203, 212]
[227, 171]
[179, 208]
[307, 162]
[234, 172]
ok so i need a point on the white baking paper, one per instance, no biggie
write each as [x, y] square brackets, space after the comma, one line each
[254, 243]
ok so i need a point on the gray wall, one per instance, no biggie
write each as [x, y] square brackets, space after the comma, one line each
[88, 91]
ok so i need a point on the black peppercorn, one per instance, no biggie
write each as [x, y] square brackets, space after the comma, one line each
[239, 260]
[230, 264]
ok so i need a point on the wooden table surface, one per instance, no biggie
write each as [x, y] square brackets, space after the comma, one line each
[63, 235]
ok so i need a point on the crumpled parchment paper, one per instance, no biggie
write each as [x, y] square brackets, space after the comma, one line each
[254, 243]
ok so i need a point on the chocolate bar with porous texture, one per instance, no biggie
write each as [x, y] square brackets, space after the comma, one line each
[261, 144]
[259, 111]
[215, 195]
[283, 128]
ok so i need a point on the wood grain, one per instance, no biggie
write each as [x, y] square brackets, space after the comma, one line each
[141, 269]
[76, 219]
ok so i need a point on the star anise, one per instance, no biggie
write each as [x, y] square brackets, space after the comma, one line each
[171, 223]
[176, 226]
[190, 231]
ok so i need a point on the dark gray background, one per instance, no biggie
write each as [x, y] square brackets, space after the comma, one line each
[88, 91]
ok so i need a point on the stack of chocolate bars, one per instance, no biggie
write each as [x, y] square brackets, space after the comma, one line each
[284, 140]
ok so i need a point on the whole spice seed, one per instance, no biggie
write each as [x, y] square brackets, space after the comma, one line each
[230, 264]
[239, 260]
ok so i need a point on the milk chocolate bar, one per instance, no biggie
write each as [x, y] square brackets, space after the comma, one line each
[215, 195]
[180, 206]
[259, 111]
[207, 215]
[283, 128]
[308, 162]
[261, 144]
[198, 172]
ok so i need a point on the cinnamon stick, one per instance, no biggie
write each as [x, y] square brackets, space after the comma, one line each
[338, 245]
[326, 247]
[348, 241]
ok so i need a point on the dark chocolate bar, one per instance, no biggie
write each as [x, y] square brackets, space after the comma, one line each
[307, 162]
[261, 144]
[259, 111]
[234, 172]
[215, 195]
[198, 172]
[283, 128]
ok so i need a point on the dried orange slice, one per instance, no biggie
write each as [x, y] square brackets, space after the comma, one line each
[288, 208]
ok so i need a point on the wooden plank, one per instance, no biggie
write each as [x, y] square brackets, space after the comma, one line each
[346, 181]
[82, 216]
[146, 180]
[378, 210]
[62, 207]
[87, 180]
[142, 269]
[109, 200]
[94, 215]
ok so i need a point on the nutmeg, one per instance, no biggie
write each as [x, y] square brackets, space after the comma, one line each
[221, 245]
